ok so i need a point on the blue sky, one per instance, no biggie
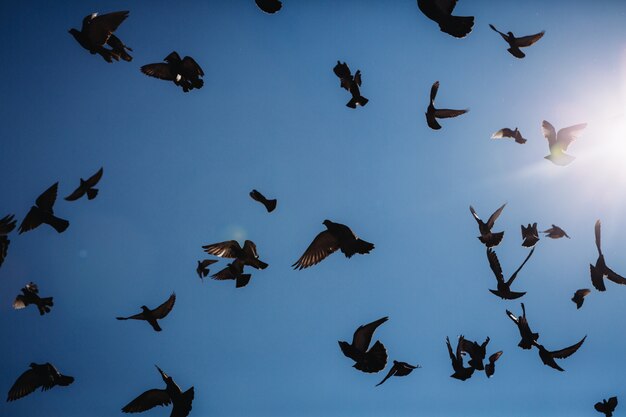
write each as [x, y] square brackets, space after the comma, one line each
[271, 116]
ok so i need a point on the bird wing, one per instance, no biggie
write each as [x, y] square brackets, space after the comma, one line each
[229, 272]
[207, 262]
[494, 216]
[4, 247]
[549, 133]
[357, 77]
[503, 133]
[512, 317]
[249, 249]
[504, 35]
[568, 351]
[46, 200]
[528, 40]
[447, 113]
[164, 309]
[433, 91]
[568, 134]
[475, 214]
[148, 400]
[101, 26]
[391, 373]
[95, 178]
[494, 263]
[160, 71]
[612, 403]
[227, 249]
[323, 245]
[7, 224]
[257, 196]
[452, 357]
[363, 335]
[30, 221]
[510, 281]
[616, 278]
[76, 194]
[191, 67]
[19, 303]
[28, 382]
[493, 358]
[598, 231]
[138, 316]
[342, 71]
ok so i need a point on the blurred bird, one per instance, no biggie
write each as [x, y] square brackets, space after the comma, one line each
[172, 394]
[234, 271]
[508, 133]
[432, 113]
[579, 297]
[440, 11]
[202, 270]
[606, 407]
[490, 368]
[488, 238]
[555, 232]
[338, 236]
[476, 352]
[460, 372]
[559, 142]
[351, 84]
[504, 287]
[7, 224]
[269, 6]
[516, 43]
[151, 316]
[231, 249]
[601, 271]
[42, 212]
[86, 187]
[548, 358]
[399, 369]
[372, 360]
[528, 337]
[530, 235]
[45, 376]
[97, 31]
[30, 295]
[270, 205]
[185, 72]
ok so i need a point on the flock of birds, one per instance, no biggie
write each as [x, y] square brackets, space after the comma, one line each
[97, 36]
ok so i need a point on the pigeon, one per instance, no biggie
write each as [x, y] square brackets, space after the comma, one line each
[42, 212]
[516, 43]
[504, 287]
[231, 249]
[579, 297]
[269, 6]
[86, 187]
[7, 224]
[172, 394]
[45, 376]
[477, 353]
[97, 31]
[508, 133]
[600, 270]
[555, 232]
[234, 271]
[488, 238]
[270, 205]
[338, 236]
[151, 316]
[440, 11]
[490, 368]
[30, 295]
[559, 142]
[530, 235]
[185, 72]
[460, 372]
[399, 369]
[351, 84]
[372, 360]
[606, 407]
[202, 270]
[548, 358]
[528, 337]
[432, 113]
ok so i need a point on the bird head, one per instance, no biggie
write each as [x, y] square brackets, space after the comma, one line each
[73, 32]
[145, 309]
[510, 34]
[327, 223]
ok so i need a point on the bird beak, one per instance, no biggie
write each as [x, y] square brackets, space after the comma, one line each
[163, 374]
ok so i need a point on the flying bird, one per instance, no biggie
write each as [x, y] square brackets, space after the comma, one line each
[86, 187]
[151, 316]
[172, 394]
[440, 11]
[559, 142]
[530, 235]
[399, 369]
[269, 6]
[504, 287]
[7, 224]
[202, 270]
[579, 297]
[548, 357]
[606, 407]
[432, 113]
[516, 43]
[528, 337]
[97, 31]
[30, 295]
[185, 72]
[460, 372]
[351, 84]
[555, 232]
[42, 212]
[270, 205]
[508, 133]
[338, 236]
[372, 360]
[486, 236]
[600, 270]
[490, 368]
[45, 376]
[476, 352]
[233, 271]
[231, 249]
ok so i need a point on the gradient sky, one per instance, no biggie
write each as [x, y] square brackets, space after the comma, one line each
[178, 169]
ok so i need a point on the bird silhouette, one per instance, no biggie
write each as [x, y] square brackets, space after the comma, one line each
[600, 270]
[97, 31]
[7, 224]
[559, 142]
[579, 297]
[351, 84]
[270, 205]
[460, 372]
[606, 407]
[185, 72]
[440, 11]
[172, 394]
[42, 212]
[86, 187]
[508, 133]
[45, 376]
[269, 6]
[486, 236]
[338, 236]
[555, 232]
[490, 368]
[231, 249]
[530, 235]
[504, 287]
[151, 316]
[372, 360]
[528, 337]
[516, 43]
[398, 369]
[476, 352]
[548, 357]
[233, 271]
[202, 270]
[30, 295]
[432, 113]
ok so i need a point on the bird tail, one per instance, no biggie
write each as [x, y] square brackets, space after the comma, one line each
[360, 101]
[92, 193]
[517, 53]
[491, 239]
[358, 246]
[259, 264]
[59, 224]
[457, 26]
[242, 280]
[271, 205]
[375, 359]
[108, 55]
[45, 305]
[197, 83]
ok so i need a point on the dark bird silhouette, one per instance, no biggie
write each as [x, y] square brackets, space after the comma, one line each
[508, 133]
[530, 235]
[45, 376]
[548, 358]
[338, 236]
[202, 270]
[42, 212]
[172, 394]
[86, 187]
[399, 369]
[504, 287]
[440, 11]
[185, 72]
[476, 352]
[486, 236]
[351, 84]
[270, 205]
[151, 316]
[372, 360]
[460, 372]
[528, 337]
[231, 249]
[559, 142]
[432, 113]
[30, 295]
[7, 224]
[555, 232]
[606, 407]
[269, 6]
[490, 368]
[234, 271]
[579, 297]
[516, 43]
[601, 271]
[97, 31]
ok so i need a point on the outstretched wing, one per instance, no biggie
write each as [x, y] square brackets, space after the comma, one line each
[510, 281]
[504, 35]
[28, 382]
[228, 249]
[323, 245]
[447, 113]
[95, 178]
[503, 133]
[191, 67]
[525, 41]
[494, 263]
[391, 373]
[568, 134]
[363, 335]
[568, 351]
[7, 224]
[494, 216]
[101, 26]
[46, 200]
[597, 230]
[165, 308]
[433, 91]
[148, 400]
[549, 133]
[160, 71]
